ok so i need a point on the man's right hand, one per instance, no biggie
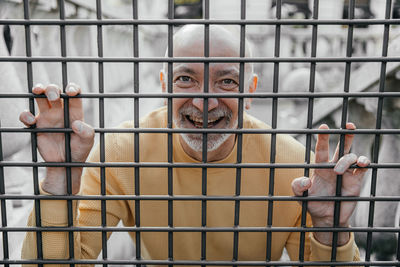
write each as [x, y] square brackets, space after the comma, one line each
[52, 145]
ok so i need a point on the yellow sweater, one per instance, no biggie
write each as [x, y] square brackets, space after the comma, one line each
[186, 181]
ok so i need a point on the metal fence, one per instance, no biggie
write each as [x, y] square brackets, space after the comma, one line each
[276, 60]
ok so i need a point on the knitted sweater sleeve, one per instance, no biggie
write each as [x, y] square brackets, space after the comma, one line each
[86, 213]
[315, 251]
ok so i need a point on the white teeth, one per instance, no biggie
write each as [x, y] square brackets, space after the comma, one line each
[200, 120]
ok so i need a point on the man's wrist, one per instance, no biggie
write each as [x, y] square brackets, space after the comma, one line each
[326, 238]
[55, 181]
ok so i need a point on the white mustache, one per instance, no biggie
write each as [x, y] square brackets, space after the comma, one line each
[189, 110]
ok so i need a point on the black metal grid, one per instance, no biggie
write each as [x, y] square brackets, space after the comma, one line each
[64, 59]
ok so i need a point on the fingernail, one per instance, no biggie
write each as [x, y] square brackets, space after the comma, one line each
[29, 118]
[339, 169]
[305, 182]
[71, 89]
[52, 95]
[79, 126]
[38, 85]
[363, 160]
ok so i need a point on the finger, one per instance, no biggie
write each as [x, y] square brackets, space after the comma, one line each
[42, 103]
[73, 89]
[348, 140]
[53, 93]
[27, 118]
[300, 185]
[83, 130]
[322, 146]
[362, 162]
[345, 162]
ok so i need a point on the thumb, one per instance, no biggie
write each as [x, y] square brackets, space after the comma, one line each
[83, 130]
[301, 184]
[84, 141]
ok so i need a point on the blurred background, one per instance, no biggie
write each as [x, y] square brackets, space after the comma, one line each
[295, 41]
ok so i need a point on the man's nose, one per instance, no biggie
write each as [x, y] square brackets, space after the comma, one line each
[199, 103]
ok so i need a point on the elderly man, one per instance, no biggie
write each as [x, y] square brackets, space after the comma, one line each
[187, 148]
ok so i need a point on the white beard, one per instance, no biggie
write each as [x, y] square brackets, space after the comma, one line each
[214, 141]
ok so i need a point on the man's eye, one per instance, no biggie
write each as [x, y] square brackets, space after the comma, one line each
[184, 82]
[228, 84]
[228, 81]
[184, 79]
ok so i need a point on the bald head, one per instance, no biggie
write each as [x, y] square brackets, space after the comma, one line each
[224, 41]
[188, 41]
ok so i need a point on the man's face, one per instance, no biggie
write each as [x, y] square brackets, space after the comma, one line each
[223, 78]
[222, 112]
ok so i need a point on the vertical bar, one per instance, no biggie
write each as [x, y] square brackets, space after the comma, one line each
[240, 126]
[378, 125]
[103, 191]
[136, 135]
[273, 125]
[170, 137]
[349, 50]
[28, 48]
[310, 113]
[398, 246]
[3, 206]
[205, 137]
[64, 74]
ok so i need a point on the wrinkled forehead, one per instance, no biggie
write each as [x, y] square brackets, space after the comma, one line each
[223, 42]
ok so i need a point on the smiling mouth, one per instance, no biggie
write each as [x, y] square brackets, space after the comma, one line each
[198, 122]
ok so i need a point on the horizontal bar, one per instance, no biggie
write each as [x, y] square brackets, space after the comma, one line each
[199, 59]
[205, 262]
[200, 130]
[274, 22]
[188, 165]
[200, 198]
[214, 95]
[167, 229]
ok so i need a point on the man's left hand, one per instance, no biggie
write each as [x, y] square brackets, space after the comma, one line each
[323, 183]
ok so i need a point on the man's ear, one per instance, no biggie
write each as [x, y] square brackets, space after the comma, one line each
[162, 81]
[252, 88]
[163, 84]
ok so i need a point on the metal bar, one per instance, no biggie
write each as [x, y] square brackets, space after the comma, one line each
[216, 95]
[273, 22]
[199, 229]
[398, 247]
[103, 190]
[310, 112]
[198, 198]
[138, 245]
[200, 60]
[339, 179]
[247, 131]
[170, 126]
[28, 50]
[64, 75]
[3, 206]
[203, 253]
[239, 136]
[273, 126]
[196, 263]
[378, 125]
[187, 165]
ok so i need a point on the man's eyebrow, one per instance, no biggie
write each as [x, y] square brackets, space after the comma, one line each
[185, 69]
[232, 72]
